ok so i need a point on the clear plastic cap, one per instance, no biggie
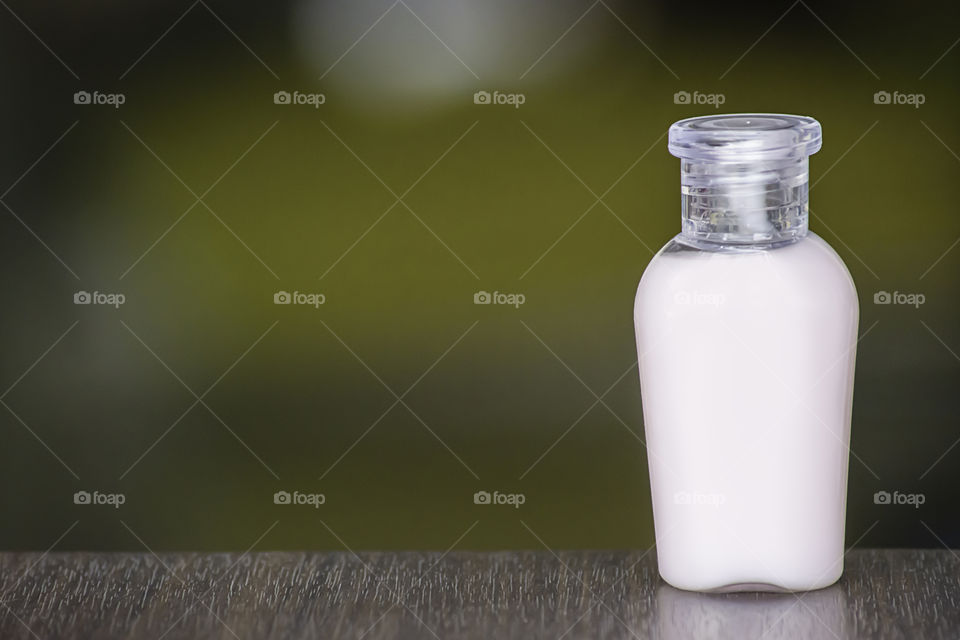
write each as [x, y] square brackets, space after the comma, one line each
[744, 176]
[742, 137]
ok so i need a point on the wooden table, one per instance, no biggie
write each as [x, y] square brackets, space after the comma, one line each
[581, 594]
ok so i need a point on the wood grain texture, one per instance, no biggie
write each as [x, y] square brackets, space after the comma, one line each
[598, 594]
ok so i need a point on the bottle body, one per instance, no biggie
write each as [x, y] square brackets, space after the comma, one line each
[746, 359]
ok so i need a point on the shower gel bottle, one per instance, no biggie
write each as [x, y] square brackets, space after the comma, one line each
[746, 334]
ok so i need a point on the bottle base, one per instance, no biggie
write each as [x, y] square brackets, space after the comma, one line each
[752, 587]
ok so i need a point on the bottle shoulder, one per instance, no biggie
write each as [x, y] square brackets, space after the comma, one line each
[808, 267]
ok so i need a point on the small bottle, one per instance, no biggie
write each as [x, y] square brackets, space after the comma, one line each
[746, 334]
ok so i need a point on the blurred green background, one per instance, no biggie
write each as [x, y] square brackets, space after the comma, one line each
[493, 198]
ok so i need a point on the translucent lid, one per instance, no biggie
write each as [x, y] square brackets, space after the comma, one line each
[745, 137]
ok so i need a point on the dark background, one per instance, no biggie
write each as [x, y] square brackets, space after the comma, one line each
[95, 200]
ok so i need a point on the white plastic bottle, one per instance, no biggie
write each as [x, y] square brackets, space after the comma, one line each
[746, 334]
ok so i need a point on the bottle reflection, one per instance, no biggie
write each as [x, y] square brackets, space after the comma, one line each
[685, 615]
